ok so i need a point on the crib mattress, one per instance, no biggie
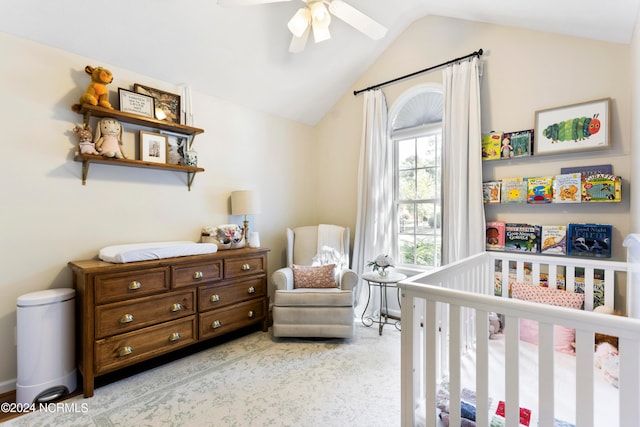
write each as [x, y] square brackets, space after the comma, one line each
[606, 396]
[154, 250]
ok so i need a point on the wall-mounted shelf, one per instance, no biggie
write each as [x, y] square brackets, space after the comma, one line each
[89, 111]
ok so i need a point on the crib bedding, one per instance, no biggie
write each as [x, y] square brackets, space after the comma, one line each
[154, 250]
[606, 396]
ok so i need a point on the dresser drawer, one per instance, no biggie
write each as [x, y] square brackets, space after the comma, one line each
[219, 322]
[193, 274]
[127, 349]
[243, 266]
[125, 316]
[215, 296]
[119, 286]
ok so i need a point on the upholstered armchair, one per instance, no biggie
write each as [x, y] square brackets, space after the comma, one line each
[310, 298]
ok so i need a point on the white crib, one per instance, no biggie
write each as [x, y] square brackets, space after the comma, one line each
[445, 318]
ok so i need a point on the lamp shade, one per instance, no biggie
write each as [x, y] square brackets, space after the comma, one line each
[244, 202]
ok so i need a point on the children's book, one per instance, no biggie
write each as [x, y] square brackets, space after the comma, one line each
[601, 187]
[495, 235]
[553, 239]
[588, 170]
[539, 190]
[593, 240]
[491, 146]
[519, 144]
[514, 190]
[522, 237]
[566, 188]
[491, 192]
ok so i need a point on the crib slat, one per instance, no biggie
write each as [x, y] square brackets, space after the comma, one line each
[584, 378]
[454, 364]
[482, 368]
[546, 367]
[512, 371]
[629, 382]
[407, 361]
[431, 356]
[588, 288]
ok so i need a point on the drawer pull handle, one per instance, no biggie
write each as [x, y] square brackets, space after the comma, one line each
[251, 290]
[198, 275]
[134, 285]
[251, 314]
[124, 351]
[174, 336]
[215, 298]
[126, 318]
[176, 307]
[216, 324]
[246, 267]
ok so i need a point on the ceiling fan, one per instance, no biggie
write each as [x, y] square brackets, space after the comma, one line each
[315, 17]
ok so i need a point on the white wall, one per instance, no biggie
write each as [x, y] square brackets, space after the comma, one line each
[48, 218]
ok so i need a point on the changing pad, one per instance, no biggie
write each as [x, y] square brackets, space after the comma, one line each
[146, 251]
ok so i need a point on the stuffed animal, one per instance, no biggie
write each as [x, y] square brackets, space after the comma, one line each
[96, 93]
[109, 138]
[85, 140]
[495, 325]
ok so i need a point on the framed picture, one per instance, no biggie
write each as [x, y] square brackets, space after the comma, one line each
[177, 146]
[153, 147]
[167, 105]
[136, 103]
[576, 127]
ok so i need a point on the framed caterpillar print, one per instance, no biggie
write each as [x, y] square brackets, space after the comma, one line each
[576, 127]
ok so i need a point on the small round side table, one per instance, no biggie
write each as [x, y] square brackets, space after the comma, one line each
[383, 282]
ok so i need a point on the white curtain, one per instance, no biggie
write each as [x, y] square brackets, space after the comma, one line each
[463, 222]
[375, 189]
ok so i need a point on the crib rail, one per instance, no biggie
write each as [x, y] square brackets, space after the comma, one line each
[445, 314]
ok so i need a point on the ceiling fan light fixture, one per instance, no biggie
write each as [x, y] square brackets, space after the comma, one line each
[320, 15]
[320, 34]
[300, 22]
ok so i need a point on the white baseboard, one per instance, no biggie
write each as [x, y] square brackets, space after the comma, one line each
[7, 386]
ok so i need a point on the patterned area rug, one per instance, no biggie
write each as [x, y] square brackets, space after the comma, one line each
[255, 380]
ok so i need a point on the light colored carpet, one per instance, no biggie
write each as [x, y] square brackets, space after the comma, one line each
[255, 380]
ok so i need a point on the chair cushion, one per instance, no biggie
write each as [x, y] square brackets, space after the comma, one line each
[309, 297]
[314, 277]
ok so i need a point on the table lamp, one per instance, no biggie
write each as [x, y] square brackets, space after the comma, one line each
[245, 203]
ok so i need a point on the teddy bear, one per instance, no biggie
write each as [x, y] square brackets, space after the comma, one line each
[96, 93]
[85, 140]
[109, 138]
[568, 192]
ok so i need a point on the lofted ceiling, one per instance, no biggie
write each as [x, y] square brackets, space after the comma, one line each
[240, 54]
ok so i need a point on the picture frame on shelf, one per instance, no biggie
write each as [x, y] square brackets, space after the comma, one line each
[136, 103]
[573, 128]
[177, 146]
[153, 147]
[167, 105]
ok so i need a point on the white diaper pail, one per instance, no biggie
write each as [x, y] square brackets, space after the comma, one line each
[46, 345]
[632, 243]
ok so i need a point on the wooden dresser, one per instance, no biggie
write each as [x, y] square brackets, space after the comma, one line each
[128, 313]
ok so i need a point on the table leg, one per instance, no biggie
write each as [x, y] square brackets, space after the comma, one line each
[367, 321]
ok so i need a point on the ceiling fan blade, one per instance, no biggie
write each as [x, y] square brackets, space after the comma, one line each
[357, 19]
[298, 43]
[247, 2]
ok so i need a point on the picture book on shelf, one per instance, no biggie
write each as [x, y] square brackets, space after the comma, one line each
[539, 190]
[491, 146]
[592, 240]
[514, 190]
[517, 144]
[553, 239]
[566, 188]
[491, 192]
[601, 187]
[522, 237]
[588, 170]
[495, 235]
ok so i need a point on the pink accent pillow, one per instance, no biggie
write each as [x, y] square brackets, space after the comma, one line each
[314, 277]
[563, 337]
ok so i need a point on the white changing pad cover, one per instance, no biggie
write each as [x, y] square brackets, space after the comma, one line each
[147, 251]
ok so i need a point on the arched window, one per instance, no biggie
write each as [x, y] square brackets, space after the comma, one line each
[415, 127]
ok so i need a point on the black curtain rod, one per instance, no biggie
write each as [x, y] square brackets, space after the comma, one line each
[397, 79]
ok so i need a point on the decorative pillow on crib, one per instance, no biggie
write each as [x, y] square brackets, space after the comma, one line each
[314, 277]
[563, 337]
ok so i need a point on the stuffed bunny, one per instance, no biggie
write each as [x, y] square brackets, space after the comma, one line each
[109, 138]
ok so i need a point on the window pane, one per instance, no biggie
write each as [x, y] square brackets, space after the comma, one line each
[427, 251]
[406, 221]
[407, 154]
[426, 183]
[406, 247]
[427, 149]
[407, 185]
[425, 218]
